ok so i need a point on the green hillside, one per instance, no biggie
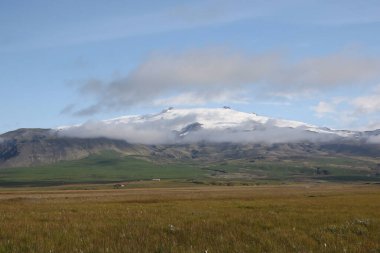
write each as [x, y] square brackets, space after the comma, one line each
[101, 168]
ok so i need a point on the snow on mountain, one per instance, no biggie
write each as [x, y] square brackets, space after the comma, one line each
[202, 124]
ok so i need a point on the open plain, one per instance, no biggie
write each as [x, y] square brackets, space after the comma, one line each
[314, 217]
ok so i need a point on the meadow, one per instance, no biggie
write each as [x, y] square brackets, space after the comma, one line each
[311, 217]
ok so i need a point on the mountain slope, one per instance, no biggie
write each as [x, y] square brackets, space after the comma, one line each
[29, 147]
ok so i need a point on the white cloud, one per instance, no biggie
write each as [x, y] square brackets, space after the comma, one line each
[324, 108]
[328, 108]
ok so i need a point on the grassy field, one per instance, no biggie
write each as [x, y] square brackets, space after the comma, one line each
[114, 167]
[101, 168]
[291, 218]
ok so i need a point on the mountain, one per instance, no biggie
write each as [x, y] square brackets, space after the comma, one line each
[185, 135]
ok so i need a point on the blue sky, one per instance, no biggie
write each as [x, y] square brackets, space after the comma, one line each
[66, 62]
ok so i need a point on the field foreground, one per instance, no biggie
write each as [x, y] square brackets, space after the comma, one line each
[289, 218]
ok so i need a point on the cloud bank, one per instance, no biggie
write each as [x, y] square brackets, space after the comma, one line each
[157, 134]
[374, 139]
[162, 132]
[174, 128]
[218, 75]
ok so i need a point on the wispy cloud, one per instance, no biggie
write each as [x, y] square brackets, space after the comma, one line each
[40, 33]
[361, 111]
[202, 98]
[323, 108]
[68, 109]
[119, 25]
[328, 108]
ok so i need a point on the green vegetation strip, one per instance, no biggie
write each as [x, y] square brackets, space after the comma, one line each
[102, 168]
[109, 167]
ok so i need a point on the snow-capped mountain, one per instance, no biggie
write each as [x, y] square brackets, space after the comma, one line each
[183, 134]
[202, 124]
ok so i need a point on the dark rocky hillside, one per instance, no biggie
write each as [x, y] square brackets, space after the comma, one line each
[30, 147]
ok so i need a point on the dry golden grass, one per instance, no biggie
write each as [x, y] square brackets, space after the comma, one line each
[298, 218]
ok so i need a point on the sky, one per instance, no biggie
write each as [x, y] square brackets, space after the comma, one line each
[68, 62]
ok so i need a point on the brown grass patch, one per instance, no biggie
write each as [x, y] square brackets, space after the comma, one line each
[298, 218]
